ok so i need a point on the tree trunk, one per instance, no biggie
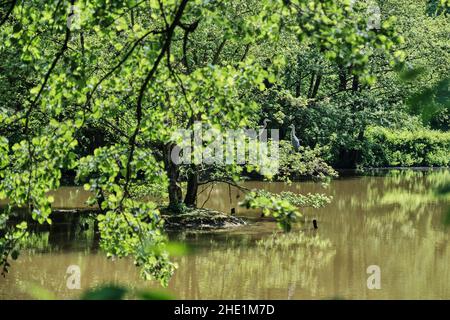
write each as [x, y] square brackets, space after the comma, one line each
[298, 86]
[316, 85]
[192, 188]
[311, 84]
[342, 79]
[175, 194]
[355, 84]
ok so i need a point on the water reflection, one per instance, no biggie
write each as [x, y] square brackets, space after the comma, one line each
[390, 219]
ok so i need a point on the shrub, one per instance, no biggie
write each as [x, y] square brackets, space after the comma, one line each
[390, 147]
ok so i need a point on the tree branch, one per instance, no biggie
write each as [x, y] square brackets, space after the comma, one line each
[166, 45]
[8, 13]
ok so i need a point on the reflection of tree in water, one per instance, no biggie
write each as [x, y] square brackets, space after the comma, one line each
[404, 199]
[71, 231]
[392, 203]
[274, 265]
[402, 223]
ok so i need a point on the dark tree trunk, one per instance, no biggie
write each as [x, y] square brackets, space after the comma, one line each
[192, 188]
[298, 86]
[355, 84]
[316, 85]
[311, 84]
[175, 194]
[342, 79]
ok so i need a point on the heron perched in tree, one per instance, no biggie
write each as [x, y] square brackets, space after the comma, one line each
[261, 131]
[294, 140]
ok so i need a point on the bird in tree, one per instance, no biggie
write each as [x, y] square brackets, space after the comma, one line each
[261, 131]
[294, 140]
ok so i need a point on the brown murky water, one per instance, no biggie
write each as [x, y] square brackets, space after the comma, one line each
[390, 220]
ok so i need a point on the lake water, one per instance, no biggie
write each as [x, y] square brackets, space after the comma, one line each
[390, 219]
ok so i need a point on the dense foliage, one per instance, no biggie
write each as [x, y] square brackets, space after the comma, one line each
[332, 107]
[387, 147]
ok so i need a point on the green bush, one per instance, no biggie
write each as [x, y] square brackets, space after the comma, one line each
[389, 147]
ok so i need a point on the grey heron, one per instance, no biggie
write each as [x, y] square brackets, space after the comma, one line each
[261, 131]
[294, 140]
